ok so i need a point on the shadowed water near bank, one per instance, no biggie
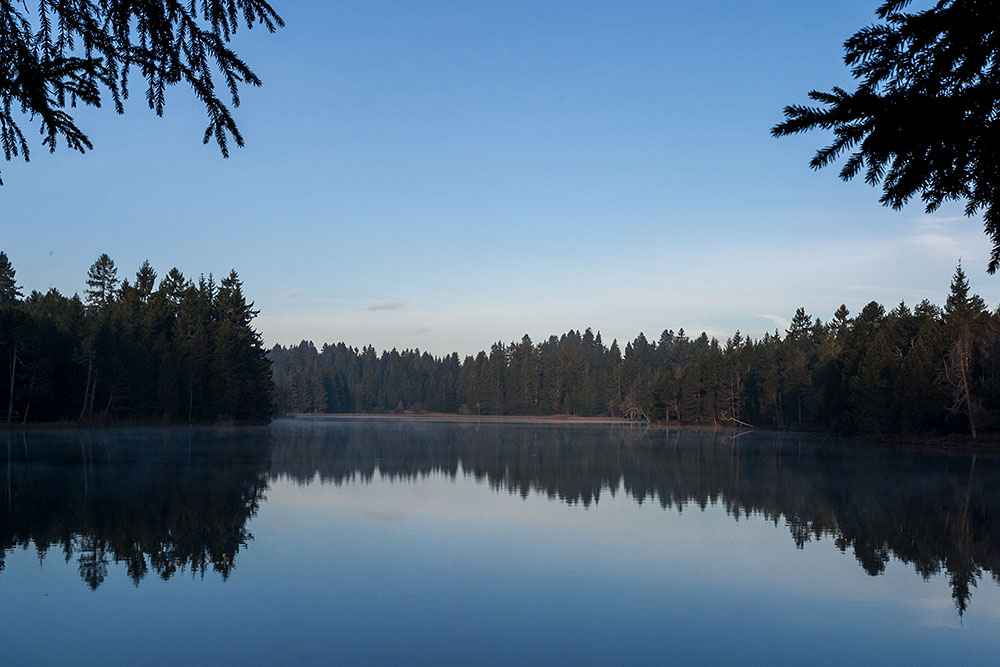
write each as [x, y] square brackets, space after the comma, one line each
[491, 528]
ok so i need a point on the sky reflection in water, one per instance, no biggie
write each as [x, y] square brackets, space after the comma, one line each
[390, 542]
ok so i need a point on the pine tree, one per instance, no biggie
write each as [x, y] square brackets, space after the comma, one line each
[145, 281]
[192, 346]
[611, 379]
[797, 361]
[10, 293]
[871, 388]
[242, 373]
[102, 282]
[733, 375]
[918, 400]
[522, 377]
[965, 319]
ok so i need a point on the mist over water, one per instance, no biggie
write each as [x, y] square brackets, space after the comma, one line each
[405, 541]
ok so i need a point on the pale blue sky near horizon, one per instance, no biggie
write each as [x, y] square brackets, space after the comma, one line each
[443, 175]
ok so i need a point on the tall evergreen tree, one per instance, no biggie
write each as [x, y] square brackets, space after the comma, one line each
[797, 361]
[102, 282]
[871, 388]
[10, 293]
[964, 317]
[145, 281]
[919, 400]
[242, 372]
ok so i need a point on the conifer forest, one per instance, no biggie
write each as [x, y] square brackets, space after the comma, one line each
[179, 351]
[185, 351]
[908, 370]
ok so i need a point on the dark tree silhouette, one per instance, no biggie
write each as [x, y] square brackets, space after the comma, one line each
[923, 119]
[102, 282]
[134, 352]
[75, 51]
[9, 291]
[904, 371]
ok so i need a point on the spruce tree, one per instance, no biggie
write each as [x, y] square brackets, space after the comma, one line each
[145, 281]
[871, 388]
[965, 319]
[102, 282]
[10, 293]
[242, 373]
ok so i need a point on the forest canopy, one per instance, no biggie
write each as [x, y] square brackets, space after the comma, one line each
[924, 369]
[177, 351]
[174, 350]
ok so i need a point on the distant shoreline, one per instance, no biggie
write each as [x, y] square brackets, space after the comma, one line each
[944, 442]
[446, 417]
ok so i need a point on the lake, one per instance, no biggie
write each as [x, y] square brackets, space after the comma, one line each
[388, 541]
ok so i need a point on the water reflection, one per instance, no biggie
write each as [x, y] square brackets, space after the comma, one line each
[165, 501]
[937, 511]
[173, 500]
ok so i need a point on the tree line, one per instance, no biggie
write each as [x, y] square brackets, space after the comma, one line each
[175, 351]
[925, 369]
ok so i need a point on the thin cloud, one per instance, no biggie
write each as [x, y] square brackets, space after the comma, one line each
[940, 219]
[385, 305]
[780, 321]
[383, 517]
[290, 294]
[936, 242]
[422, 330]
[936, 233]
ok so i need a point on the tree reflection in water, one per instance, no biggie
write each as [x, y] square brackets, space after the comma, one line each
[160, 500]
[175, 500]
[938, 511]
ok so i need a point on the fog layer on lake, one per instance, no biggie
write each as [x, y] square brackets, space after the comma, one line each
[388, 541]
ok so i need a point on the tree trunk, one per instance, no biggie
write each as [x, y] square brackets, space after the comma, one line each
[732, 399]
[968, 395]
[962, 393]
[86, 391]
[27, 407]
[10, 404]
[93, 395]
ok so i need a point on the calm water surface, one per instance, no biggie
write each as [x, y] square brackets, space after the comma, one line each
[393, 542]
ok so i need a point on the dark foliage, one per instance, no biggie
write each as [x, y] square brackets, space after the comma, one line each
[909, 371]
[185, 351]
[924, 117]
[72, 52]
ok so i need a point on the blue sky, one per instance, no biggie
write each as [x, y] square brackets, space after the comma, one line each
[443, 175]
